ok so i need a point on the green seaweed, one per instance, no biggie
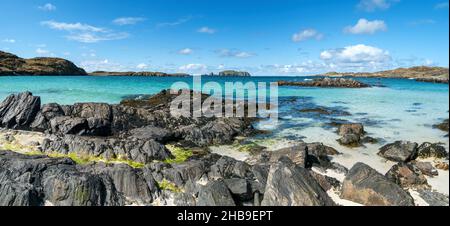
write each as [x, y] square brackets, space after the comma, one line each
[169, 186]
[180, 154]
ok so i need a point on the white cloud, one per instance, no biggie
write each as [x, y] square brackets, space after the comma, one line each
[40, 51]
[175, 23]
[441, 5]
[373, 5]
[206, 30]
[194, 68]
[72, 26]
[128, 20]
[357, 55]
[234, 53]
[9, 40]
[93, 37]
[142, 66]
[85, 33]
[186, 51]
[307, 34]
[47, 7]
[366, 27]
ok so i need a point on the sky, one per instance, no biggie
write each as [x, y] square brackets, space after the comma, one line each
[264, 37]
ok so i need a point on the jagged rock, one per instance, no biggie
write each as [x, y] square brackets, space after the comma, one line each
[227, 167]
[239, 188]
[290, 185]
[297, 154]
[426, 168]
[215, 193]
[399, 151]
[152, 133]
[67, 125]
[18, 111]
[429, 150]
[406, 175]
[33, 180]
[433, 198]
[43, 117]
[365, 185]
[327, 183]
[108, 148]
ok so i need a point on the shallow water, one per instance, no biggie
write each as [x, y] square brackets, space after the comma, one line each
[397, 109]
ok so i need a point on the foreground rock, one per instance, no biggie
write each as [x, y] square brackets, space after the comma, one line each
[18, 111]
[365, 185]
[13, 65]
[290, 185]
[407, 175]
[399, 151]
[327, 83]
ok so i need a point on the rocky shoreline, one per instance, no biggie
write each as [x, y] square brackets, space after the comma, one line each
[136, 153]
[326, 83]
[421, 73]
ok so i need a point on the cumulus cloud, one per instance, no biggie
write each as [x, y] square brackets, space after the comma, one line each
[373, 5]
[234, 53]
[366, 27]
[186, 51]
[307, 34]
[8, 40]
[357, 56]
[47, 7]
[85, 33]
[128, 20]
[40, 51]
[142, 66]
[194, 68]
[206, 30]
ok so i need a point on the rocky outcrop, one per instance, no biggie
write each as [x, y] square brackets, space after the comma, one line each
[18, 111]
[215, 193]
[399, 151]
[326, 83]
[365, 185]
[290, 185]
[138, 74]
[13, 65]
[421, 73]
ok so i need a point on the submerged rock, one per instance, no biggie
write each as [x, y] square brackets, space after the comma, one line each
[399, 151]
[290, 185]
[365, 185]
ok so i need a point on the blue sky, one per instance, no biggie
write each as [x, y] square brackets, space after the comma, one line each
[278, 37]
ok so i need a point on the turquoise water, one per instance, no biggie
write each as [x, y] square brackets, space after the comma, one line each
[400, 107]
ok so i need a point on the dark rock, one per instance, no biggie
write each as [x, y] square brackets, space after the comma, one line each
[327, 183]
[18, 111]
[399, 151]
[429, 150]
[327, 83]
[48, 111]
[427, 168]
[406, 175]
[350, 140]
[290, 185]
[67, 125]
[239, 188]
[444, 126]
[433, 198]
[297, 154]
[351, 128]
[365, 185]
[215, 193]
[369, 140]
[227, 167]
[152, 133]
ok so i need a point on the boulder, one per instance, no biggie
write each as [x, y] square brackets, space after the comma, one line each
[366, 186]
[426, 168]
[351, 128]
[48, 112]
[227, 167]
[215, 193]
[429, 150]
[152, 133]
[63, 125]
[240, 189]
[18, 111]
[297, 154]
[350, 140]
[290, 185]
[399, 151]
[406, 175]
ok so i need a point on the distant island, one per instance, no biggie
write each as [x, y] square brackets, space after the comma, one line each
[420, 73]
[143, 74]
[11, 64]
[231, 73]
